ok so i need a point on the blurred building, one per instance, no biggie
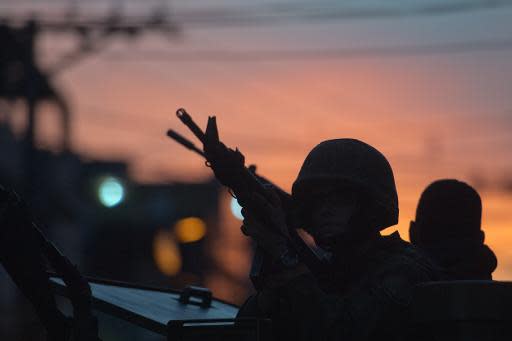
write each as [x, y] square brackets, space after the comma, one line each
[163, 234]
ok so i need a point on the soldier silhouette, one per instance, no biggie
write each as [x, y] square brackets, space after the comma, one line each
[345, 194]
[448, 229]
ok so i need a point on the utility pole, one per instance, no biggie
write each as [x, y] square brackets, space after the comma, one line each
[22, 78]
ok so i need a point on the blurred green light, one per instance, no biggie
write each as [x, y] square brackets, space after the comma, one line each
[110, 192]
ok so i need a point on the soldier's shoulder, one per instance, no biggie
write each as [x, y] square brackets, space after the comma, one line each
[395, 254]
[399, 267]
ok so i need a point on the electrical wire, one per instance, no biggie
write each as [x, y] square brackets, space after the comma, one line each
[300, 14]
[275, 14]
[398, 51]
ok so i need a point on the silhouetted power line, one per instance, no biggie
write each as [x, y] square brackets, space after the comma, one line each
[397, 51]
[294, 13]
[299, 13]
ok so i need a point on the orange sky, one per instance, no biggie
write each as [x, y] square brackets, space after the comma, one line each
[432, 116]
[275, 115]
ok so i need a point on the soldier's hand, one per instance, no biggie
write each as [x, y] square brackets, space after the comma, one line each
[269, 228]
[264, 235]
[272, 210]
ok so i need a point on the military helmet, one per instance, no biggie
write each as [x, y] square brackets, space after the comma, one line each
[355, 164]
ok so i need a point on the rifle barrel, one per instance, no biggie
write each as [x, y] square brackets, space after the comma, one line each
[187, 120]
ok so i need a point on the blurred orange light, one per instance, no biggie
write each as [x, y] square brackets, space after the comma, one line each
[190, 229]
[166, 253]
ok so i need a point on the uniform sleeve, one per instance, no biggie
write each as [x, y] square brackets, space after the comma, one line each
[305, 312]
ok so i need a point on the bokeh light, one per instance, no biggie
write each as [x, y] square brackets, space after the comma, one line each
[111, 191]
[236, 209]
[189, 229]
[166, 253]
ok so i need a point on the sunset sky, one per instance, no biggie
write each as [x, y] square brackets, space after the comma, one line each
[302, 74]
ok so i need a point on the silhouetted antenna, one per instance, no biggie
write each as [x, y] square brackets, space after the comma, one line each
[184, 142]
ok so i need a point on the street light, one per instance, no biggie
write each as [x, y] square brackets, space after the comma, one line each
[111, 191]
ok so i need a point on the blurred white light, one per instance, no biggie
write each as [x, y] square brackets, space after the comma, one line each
[110, 192]
[236, 209]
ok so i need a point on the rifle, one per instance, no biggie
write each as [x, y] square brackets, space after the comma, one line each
[229, 168]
